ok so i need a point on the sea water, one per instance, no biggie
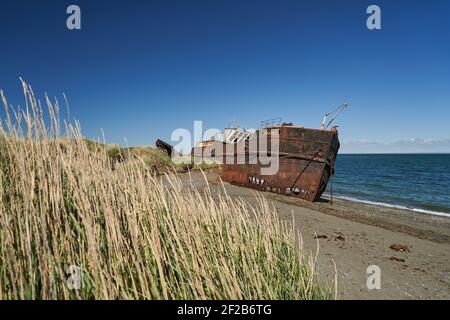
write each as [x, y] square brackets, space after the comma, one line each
[419, 182]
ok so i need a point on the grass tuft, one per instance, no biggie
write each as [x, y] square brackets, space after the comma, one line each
[66, 201]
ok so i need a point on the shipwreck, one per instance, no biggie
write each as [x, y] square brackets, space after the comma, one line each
[305, 157]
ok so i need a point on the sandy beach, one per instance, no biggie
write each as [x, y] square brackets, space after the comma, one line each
[412, 249]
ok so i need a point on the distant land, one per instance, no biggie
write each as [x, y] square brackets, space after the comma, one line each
[415, 145]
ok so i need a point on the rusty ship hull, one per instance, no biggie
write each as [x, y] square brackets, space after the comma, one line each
[306, 159]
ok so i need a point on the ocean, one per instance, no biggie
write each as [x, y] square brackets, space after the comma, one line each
[419, 182]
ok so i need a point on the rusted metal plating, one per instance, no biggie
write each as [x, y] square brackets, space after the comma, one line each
[305, 160]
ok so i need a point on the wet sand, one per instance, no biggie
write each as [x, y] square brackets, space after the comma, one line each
[356, 235]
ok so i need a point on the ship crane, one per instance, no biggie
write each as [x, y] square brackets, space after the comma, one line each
[335, 114]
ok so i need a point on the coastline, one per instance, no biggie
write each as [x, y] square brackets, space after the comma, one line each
[388, 205]
[431, 227]
[354, 235]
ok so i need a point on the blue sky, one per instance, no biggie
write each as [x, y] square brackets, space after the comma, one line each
[140, 69]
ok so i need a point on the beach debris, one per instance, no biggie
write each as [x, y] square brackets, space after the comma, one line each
[396, 259]
[399, 247]
[339, 236]
[164, 146]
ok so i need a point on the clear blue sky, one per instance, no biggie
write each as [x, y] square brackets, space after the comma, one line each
[140, 69]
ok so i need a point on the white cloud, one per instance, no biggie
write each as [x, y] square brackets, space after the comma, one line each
[415, 145]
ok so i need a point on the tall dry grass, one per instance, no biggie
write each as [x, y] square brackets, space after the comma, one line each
[133, 234]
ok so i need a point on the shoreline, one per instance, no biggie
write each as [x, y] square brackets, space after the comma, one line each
[388, 205]
[430, 227]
